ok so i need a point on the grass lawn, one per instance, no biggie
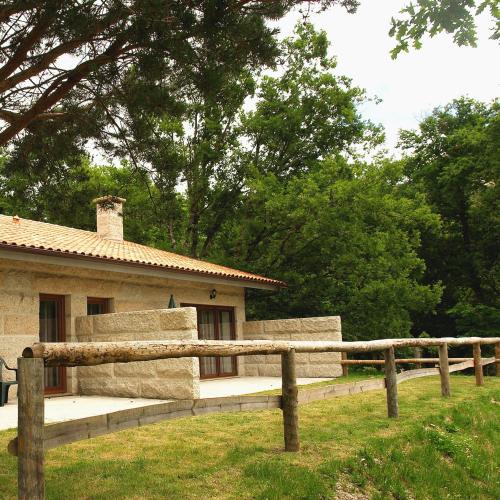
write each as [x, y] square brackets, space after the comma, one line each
[438, 448]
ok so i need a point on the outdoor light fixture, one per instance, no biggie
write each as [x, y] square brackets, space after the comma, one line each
[213, 294]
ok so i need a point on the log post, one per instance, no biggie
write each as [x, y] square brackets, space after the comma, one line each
[391, 383]
[444, 370]
[478, 367]
[290, 401]
[497, 359]
[345, 368]
[418, 354]
[31, 484]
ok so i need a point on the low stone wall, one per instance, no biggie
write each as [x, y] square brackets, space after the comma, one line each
[308, 365]
[162, 379]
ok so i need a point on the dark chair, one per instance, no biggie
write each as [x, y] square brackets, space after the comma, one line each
[5, 384]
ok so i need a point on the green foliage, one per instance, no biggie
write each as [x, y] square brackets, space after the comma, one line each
[65, 197]
[345, 239]
[275, 190]
[454, 161]
[431, 17]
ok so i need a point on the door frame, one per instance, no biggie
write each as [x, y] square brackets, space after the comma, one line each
[61, 328]
[234, 359]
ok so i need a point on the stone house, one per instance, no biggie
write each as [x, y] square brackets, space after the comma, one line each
[64, 284]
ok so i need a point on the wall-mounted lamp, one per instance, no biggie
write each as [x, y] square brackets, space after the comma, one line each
[213, 294]
[171, 303]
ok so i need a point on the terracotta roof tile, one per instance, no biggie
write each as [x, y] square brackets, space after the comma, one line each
[51, 238]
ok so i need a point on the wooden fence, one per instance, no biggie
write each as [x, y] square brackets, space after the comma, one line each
[34, 438]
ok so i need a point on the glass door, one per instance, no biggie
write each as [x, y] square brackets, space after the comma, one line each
[206, 331]
[216, 323]
[51, 316]
[227, 364]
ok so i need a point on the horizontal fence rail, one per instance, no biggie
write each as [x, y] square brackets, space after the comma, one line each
[98, 353]
[34, 438]
[401, 361]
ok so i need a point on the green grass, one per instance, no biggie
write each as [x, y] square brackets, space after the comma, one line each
[438, 448]
[354, 376]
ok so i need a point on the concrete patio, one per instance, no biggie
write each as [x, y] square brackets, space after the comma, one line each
[58, 409]
[235, 386]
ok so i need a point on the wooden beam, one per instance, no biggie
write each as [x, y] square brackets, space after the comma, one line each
[31, 483]
[391, 383]
[417, 361]
[96, 353]
[290, 401]
[444, 370]
[478, 367]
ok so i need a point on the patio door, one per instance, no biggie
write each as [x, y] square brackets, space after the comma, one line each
[216, 323]
[52, 329]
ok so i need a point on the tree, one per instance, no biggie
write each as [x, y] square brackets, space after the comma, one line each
[62, 57]
[454, 160]
[306, 112]
[60, 60]
[64, 196]
[430, 17]
[345, 239]
[212, 146]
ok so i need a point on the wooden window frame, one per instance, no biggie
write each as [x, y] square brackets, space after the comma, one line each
[234, 359]
[61, 326]
[99, 300]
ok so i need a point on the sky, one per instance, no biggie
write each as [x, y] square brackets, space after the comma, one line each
[417, 82]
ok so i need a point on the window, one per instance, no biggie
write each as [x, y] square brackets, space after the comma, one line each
[97, 305]
[216, 323]
[52, 329]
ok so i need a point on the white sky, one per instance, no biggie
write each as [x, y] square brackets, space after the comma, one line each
[411, 86]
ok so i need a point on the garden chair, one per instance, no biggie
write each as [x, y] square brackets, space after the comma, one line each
[5, 384]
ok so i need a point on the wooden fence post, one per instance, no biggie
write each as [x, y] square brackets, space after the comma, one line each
[345, 368]
[31, 483]
[478, 367]
[444, 370]
[290, 401]
[418, 354]
[497, 359]
[391, 383]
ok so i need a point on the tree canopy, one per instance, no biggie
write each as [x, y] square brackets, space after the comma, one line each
[276, 189]
[62, 61]
[454, 160]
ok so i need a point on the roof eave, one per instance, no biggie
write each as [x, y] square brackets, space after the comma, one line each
[266, 284]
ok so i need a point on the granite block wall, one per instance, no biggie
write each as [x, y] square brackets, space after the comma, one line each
[308, 365]
[161, 379]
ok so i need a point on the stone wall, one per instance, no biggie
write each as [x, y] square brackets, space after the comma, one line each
[161, 379]
[308, 365]
[21, 283]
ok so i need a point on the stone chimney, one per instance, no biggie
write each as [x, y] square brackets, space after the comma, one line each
[110, 217]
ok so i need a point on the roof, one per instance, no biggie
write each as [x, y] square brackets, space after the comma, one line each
[32, 236]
